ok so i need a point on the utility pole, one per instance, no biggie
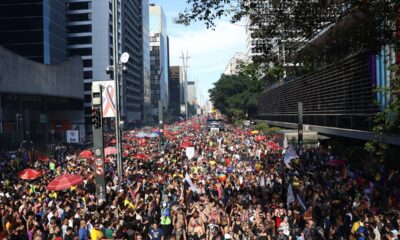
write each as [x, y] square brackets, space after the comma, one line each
[117, 85]
[185, 67]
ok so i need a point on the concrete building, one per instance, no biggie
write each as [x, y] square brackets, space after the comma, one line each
[191, 92]
[233, 67]
[146, 62]
[339, 98]
[158, 58]
[133, 42]
[34, 29]
[41, 99]
[175, 89]
[89, 32]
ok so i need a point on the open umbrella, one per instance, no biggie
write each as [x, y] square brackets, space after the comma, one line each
[141, 135]
[64, 182]
[274, 145]
[336, 162]
[44, 158]
[153, 135]
[140, 156]
[29, 174]
[110, 150]
[113, 141]
[86, 154]
[260, 138]
[185, 145]
[142, 142]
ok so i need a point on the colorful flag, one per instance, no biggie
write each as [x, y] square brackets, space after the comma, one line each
[290, 195]
[290, 155]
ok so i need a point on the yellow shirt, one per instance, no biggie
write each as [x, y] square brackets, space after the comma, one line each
[355, 226]
[127, 202]
[96, 234]
[8, 227]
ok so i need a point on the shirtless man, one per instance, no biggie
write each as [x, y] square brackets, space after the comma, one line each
[196, 229]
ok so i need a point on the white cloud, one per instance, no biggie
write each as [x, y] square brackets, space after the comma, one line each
[209, 50]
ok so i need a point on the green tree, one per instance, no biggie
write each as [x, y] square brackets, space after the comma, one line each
[370, 26]
[237, 95]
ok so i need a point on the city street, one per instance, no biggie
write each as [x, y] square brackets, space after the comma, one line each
[199, 120]
[235, 184]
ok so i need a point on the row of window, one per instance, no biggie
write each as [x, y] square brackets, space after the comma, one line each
[79, 5]
[79, 17]
[79, 28]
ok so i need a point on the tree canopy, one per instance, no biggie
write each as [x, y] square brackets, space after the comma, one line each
[275, 21]
[236, 95]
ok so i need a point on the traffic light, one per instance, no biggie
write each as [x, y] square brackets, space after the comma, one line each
[96, 118]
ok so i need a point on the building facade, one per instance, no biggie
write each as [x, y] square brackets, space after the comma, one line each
[34, 29]
[191, 92]
[158, 58]
[175, 85]
[90, 35]
[41, 102]
[132, 42]
[233, 67]
[146, 62]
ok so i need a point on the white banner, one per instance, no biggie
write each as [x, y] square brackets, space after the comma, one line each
[190, 152]
[108, 99]
[72, 136]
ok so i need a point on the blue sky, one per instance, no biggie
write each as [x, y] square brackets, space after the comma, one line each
[209, 51]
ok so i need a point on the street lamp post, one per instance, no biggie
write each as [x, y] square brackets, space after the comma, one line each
[117, 68]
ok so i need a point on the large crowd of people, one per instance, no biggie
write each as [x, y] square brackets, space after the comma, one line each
[234, 185]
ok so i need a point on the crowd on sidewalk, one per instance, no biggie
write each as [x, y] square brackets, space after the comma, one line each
[234, 185]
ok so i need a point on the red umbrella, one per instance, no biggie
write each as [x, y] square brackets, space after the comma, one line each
[142, 142]
[140, 156]
[29, 174]
[187, 139]
[175, 133]
[335, 162]
[44, 158]
[64, 182]
[113, 141]
[260, 138]
[185, 145]
[86, 154]
[110, 150]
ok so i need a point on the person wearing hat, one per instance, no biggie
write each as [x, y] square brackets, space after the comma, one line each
[281, 235]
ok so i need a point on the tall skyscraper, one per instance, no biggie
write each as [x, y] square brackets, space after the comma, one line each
[191, 92]
[34, 29]
[175, 85]
[133, 42]
[146, 62]
[158, 58]
[89, 32]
